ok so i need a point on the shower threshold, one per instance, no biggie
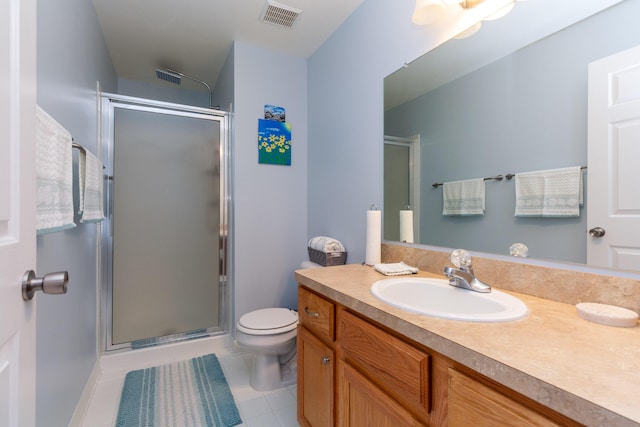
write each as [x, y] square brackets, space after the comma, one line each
[168, 339]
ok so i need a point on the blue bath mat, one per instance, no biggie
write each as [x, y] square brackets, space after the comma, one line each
[188, 393]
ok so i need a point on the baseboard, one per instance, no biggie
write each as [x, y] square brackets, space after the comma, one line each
[85, 399]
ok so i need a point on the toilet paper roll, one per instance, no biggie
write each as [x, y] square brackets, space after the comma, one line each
[406, 226]
[374, 237]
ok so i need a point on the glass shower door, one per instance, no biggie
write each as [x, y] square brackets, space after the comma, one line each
[165, 224]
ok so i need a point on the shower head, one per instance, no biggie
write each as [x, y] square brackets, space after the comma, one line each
[175, 77]
[169, 75]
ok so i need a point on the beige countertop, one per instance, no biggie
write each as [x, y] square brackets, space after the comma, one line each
[587, 371]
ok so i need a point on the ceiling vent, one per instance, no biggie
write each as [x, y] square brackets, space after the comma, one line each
[279, 14]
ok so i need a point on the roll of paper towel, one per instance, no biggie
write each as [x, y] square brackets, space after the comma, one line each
[406, 226]
[374, 238]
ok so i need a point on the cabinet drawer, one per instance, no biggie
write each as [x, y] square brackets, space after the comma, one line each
[316, 314]
[397, 367]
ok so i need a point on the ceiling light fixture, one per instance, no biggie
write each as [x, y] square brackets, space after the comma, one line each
[427, 12]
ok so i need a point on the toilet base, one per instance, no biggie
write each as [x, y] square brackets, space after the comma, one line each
[267, 373]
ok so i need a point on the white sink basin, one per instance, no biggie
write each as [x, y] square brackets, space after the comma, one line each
[435, 297]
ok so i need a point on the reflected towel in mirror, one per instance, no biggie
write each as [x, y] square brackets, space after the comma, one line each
[465, 197]
[549, 193]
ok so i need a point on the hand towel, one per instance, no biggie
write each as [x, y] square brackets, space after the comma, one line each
[54, 182]
[325, 244]
[549, 193]
[90, 184]
[395, 269]
[463, 197]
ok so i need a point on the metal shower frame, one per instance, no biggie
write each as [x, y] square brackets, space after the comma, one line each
[108, 103]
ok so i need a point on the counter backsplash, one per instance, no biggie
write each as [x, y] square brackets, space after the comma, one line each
[556, 284]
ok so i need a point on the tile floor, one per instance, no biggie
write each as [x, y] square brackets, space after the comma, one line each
[276, 408]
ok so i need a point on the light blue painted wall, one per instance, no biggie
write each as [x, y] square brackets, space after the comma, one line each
[346, 118]
[346, 114]
[223, 92]
[270, 206]
[71, 57]
[524, 112]
[163, 92]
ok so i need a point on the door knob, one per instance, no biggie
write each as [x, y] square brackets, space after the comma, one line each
[52, 283]
[597, 232]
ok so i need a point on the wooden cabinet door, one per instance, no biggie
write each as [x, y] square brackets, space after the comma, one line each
[362, 404]
[316, 363]
[472, 403]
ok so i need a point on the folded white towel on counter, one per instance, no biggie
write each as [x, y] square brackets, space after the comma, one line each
[549, 193]
[90, 179]
[326, 244]
[395, 269]
[465, 197]
[54, 177]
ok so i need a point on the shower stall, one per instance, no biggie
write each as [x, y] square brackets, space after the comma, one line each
[165, 237]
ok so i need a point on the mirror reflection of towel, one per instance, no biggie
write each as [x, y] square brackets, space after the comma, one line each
[463, 197]
[549, 193]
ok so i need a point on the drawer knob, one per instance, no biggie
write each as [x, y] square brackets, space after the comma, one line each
[311, 313]
[326, 360]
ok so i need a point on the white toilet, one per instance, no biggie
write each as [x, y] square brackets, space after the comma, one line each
[271, 334]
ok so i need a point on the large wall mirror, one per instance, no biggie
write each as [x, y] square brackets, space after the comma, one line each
[485, 106]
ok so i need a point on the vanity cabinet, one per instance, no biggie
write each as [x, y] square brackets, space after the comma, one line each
[472, 403]
[399, 370]
[316, 360]
[362, 403]
[353, 372]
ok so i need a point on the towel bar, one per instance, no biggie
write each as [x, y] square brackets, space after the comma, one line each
[510, 176]
[497, 178]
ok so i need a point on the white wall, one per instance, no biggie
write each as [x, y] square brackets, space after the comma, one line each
[71, 57]
[270, 213]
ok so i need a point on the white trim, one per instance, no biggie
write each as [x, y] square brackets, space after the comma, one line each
[413, 142]
[77, 420]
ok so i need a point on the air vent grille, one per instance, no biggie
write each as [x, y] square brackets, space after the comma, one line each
[279, 14]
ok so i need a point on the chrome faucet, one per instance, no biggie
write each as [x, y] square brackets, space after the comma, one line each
[463, 276]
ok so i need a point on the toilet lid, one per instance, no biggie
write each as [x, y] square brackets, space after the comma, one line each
[269, 318]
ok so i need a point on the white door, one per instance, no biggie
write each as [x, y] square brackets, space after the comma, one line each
[614, 161]
[17, 210]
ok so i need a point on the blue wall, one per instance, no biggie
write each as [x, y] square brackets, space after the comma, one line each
[71, 56]
[163, 92]
[346, 117]
[521, 113]
[270, 215]
[346, 106]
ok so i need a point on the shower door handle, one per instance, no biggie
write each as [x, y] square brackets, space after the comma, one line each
[51, 283]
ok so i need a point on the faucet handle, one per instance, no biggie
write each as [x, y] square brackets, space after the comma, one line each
[461, 259]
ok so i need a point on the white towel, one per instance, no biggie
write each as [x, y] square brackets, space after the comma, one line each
[463, 197]
[395, 269]
[549, 193]
[90, 185]
[325, 244]
[54, 182]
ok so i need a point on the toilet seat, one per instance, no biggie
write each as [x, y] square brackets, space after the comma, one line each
[268, 321]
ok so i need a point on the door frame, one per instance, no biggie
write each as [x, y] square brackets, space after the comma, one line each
[109, 102]
[413, 143]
